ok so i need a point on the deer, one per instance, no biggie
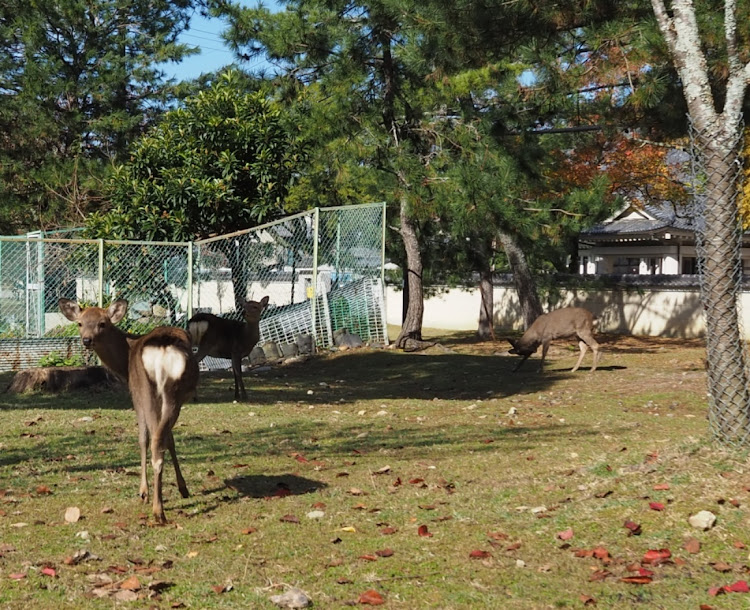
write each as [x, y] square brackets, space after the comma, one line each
[225, 338]
[560, 323]
[161, 374]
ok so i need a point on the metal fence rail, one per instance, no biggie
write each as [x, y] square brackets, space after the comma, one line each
[322, 269]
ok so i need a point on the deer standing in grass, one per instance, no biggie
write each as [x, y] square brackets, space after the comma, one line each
[557, 324]
[161, 374]
[224, 338]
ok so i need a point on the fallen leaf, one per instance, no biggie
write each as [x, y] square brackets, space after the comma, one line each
[222, 588]
[738, 587]
[480, 554]
[599, 575]
[43, 490]
[656, 557]
[720, 566]
[48, 571]
[634, 529]
[661, 487]
[289, 519]
[371, 598]
[349, 528]
[637, 580]
[384, 553]
[692, 546]
[250, 530]
[565, 534]
[587, 600]
[423, 531]
[131, 584]
[17, 576]
[656, 506]
[387, 531]
[126, 595]
[368, 557]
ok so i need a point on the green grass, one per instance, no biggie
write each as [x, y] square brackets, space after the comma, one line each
[384, 442]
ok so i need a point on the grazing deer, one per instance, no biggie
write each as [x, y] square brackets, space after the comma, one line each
[565, 322]
[224, 338]
[161, 374]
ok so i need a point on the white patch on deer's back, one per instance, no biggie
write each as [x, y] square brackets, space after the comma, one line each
[197, 330]
[163, 364]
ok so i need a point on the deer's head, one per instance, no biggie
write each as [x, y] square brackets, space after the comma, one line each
[252, 310]
[94, 323]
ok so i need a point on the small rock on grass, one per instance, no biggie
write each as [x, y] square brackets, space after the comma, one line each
[703, 520]
[293, 598]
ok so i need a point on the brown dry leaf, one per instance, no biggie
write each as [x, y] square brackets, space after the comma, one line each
[371, 598]
[423, 531]
[43, 490]
[289, 519]
[384, 553]
[479, 554]
[387, 531]
[720, 566]
[692, 546]
[587, 600]
[126, 596]
[131, 584]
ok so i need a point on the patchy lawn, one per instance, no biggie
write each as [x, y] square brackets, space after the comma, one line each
[427, 480]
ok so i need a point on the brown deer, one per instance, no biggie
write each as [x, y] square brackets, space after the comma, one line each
[565, 322]
[161, 374]
[224, 338]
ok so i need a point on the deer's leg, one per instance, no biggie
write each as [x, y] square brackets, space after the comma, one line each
[158, 439]
[239, 384]
[588, 339]
[545, 347]
[583, 347]
[524, 359]
[181, 485]
[143, 443]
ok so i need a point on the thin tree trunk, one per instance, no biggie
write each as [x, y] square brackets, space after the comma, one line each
[411, 329]
[523, 280]
[486, 328]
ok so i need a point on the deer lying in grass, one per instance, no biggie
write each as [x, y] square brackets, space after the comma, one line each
[224, 338]
[161, 374]
[565, 322]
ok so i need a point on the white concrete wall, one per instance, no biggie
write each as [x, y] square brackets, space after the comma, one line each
[647, 312]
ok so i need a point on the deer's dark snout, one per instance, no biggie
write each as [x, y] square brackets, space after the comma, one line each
[88, 342]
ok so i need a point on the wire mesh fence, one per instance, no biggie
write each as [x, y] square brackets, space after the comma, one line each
[322, 270]
[716, 177]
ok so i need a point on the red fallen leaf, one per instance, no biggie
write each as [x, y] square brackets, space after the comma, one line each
[319, 505]
[397, 482]
[634, 529]
[738, 587]
[692, 546]
[17, 576]
[480, 554]
[424, 532]
[384, 553]
[43, 490]
[565, 534]
[739, 544]
[656, 506]
[289, 519]
[301, 458]
[601, 553]
[714, 591]
[661, 487]
[679, 561]
[705, 607]
[47, 571]
[513, 547]
[219, 589]
[250, 530]
[637, 580]
[371, 598]
[644, 572]
[656, 557]
[368, 557]
[583, 553]
[387, 531]
[343, 581]
[416, 481]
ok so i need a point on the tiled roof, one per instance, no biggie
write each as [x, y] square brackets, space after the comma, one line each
[664, 216]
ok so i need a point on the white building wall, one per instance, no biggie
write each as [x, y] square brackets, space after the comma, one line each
[646, 312]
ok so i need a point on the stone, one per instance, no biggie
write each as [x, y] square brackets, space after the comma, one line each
[304, 344]
[293, 598]
[257, 355]
[703, 520]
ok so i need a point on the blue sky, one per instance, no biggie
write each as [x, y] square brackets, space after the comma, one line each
[205, 33]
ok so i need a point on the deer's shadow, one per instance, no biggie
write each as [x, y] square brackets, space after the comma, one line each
[273, 486]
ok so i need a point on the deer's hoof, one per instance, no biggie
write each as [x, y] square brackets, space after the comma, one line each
[184, 492]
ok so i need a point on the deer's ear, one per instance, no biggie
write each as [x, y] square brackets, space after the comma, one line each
[264, 301]
[116, 311]
[70, 309]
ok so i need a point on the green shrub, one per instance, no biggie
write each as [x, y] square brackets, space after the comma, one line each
[55, 359]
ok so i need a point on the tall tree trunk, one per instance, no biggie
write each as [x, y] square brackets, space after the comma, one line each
[523, 280]
[722, 277]
[486, 328]
[411, 329]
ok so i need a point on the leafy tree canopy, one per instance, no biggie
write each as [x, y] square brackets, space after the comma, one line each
[221, 163]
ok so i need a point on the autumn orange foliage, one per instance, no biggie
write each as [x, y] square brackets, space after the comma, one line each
[636, 169]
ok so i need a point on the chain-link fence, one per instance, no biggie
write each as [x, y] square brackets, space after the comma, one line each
[322, 270]
[716, 177]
